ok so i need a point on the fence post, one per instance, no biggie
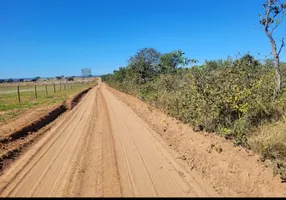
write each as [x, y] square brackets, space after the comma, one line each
[36, 95]
[54, 88]
[46, 89]
[60, 87]
[18, 88]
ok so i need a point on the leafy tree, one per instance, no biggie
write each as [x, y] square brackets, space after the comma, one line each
[2, 81]
[274, 11]
[71, 78]
[86, 72]
[120, 75]
[169, 62]
[10, 80]
[144, 65]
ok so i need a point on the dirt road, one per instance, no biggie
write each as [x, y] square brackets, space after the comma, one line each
[101, 148]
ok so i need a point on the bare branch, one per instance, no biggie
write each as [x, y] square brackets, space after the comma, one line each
[281, 47]
[267, 14]
[278, 23]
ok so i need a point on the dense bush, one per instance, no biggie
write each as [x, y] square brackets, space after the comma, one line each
[229, 97]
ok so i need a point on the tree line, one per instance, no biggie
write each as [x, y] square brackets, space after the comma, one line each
[228, 96]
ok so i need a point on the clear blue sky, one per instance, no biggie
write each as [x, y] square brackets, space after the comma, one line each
[59, 37]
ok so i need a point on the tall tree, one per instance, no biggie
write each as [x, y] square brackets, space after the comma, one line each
[144, 64]
[86, 72]
[270, 19]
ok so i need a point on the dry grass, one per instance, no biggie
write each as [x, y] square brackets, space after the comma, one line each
[270, 142]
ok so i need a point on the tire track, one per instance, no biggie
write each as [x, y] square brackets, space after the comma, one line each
[64, 129]
[146, 167]
[60, 131]
[100, 149]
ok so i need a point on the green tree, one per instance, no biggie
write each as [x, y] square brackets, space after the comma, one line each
[71, 78]
[169, 62]
[120, 75]
[144, 65]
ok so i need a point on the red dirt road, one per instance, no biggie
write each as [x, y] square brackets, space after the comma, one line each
[101, 148]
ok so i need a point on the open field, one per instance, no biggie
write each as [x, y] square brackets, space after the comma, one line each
[10, 107]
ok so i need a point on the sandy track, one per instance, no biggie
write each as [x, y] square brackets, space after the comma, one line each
[101, 148]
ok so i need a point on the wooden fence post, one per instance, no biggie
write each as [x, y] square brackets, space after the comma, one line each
[46, 89]
[18, 88]
[60, 87]
[54, 88]
[36, 95]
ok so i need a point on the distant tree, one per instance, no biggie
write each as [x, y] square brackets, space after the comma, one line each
[2, 81]
[71, 78]
[58, 77]
[169, 62]
[21, 80]
[86, 72]
[35, 79]
[274, 11]
[10, 80]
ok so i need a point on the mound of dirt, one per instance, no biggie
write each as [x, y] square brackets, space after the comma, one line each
[74, 101]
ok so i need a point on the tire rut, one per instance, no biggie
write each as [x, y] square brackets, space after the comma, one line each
[101, 148]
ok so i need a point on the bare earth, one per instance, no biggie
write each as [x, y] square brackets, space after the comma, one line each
[102, 148]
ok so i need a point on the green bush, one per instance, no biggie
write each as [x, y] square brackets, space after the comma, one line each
[232, 95]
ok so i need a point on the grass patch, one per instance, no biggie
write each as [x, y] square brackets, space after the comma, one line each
[270, 142]
[10, 108]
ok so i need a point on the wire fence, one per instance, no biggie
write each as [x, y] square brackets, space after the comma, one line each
[39, 90]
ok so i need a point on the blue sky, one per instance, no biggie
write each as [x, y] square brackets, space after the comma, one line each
[59, 37]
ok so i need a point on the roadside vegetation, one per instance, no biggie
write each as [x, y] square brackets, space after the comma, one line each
[233, 97]
[241, 99]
